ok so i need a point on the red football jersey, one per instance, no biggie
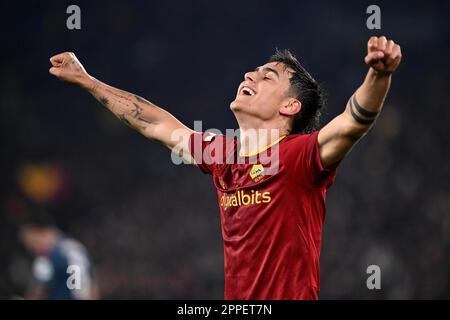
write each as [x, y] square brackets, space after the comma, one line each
[271, 213]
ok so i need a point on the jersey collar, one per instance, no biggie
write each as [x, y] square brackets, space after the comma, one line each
[264, 148]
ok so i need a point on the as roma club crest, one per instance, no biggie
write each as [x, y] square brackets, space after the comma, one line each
[257, 172]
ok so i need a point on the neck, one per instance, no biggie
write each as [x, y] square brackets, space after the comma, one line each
[253, 141]
[256, 134]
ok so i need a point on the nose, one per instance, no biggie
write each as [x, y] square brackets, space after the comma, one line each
[250, 76]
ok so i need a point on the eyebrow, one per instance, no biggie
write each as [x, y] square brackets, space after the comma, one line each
[268, 69]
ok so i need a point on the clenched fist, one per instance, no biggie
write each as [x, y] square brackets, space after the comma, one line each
[66, 67]
[383, 55]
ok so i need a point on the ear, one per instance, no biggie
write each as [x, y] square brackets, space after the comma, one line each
[291, 107]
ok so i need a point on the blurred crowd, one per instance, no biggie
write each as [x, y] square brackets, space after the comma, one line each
[152, 228]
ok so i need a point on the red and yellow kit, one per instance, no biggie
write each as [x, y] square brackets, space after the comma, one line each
[272, 209]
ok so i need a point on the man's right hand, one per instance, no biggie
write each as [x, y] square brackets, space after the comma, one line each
[66, 67]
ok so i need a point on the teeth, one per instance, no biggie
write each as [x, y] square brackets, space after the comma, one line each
[250, 91]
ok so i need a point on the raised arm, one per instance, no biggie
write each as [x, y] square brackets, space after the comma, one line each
[150, 120]
[338, 137]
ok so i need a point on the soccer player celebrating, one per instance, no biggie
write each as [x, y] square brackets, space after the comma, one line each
[271, 223]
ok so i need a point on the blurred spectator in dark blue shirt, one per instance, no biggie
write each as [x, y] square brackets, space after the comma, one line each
[61, 269]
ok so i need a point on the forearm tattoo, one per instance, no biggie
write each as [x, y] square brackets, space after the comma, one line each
[126, 106]
[369, 116]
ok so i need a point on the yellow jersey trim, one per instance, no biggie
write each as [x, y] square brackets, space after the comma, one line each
[265, 148]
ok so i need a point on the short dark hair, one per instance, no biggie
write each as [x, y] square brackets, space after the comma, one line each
[306, 90]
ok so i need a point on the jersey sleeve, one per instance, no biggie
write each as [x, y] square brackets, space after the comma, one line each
[308, 167]
[209, 150]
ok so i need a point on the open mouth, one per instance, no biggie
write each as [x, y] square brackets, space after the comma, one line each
[247, 91]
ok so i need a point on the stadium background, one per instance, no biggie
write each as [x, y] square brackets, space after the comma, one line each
[152, 228]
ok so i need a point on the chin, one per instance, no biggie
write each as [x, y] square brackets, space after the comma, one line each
[237, 105]
[234, 106]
